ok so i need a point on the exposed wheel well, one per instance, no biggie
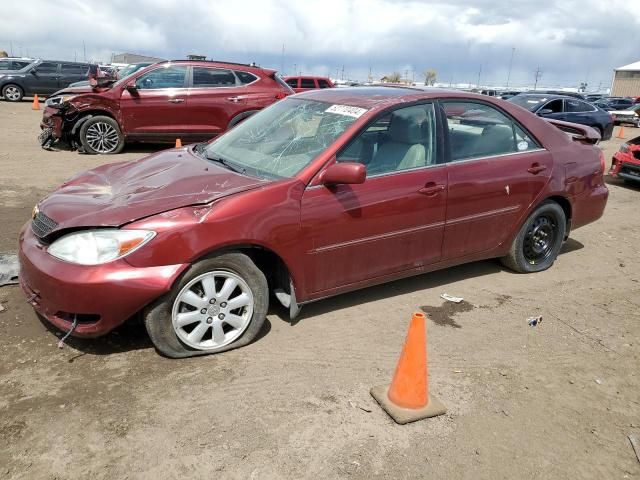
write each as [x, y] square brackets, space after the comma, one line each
[90, 113]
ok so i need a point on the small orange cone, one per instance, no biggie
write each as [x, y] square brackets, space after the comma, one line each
[620, 132]
[36, 103]
[178, 143]
[407, 399]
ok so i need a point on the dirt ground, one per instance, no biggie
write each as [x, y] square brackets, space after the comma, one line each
[553, 401]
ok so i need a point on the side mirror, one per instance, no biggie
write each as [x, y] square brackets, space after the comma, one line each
[33, 72]
[545, 111]
[131, 88]
[344, 173]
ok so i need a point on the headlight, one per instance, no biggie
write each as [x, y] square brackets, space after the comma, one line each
[58, 100]
[624, 148]
[93, 247]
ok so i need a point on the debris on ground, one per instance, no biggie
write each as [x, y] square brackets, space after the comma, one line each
[354, 405]
[9, 269]
[2, 309]
[635, 443]
[451, 298]
[598, 381]
[534, 321]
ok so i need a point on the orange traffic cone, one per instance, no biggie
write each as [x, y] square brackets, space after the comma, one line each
[620, 132]
[407, 399]
[178, 143]
[36, 103]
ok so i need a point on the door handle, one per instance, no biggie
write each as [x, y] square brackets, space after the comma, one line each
[234, 99]
[176, 100]
[536, 168]
[431, 189]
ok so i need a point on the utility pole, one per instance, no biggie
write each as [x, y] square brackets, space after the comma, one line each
[84, 50]
[342, 72]
[538, 75]
[370, 78]
[295, 68]
[513, 51]
[337, 73]
[406, 76]
[282, 61]
[479, 73]
[11, 48]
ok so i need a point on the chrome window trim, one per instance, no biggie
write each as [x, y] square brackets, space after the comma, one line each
[486, 157]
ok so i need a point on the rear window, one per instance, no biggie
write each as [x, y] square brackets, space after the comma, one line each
[245, 77]
[47, 67]
[71, 69]
[307, 83]
[213, 77]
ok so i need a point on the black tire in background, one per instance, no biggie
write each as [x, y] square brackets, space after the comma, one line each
[158, 316]
[12, 93]
[539, 241]
[112, 138]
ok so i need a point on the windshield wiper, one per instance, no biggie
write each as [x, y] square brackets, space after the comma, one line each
[223, 161]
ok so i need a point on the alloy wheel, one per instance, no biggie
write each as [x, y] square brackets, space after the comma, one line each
[212, 310]
[540, 239]
[102, 137]
[12, 93]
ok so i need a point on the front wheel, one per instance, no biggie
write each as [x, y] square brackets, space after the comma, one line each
[12, 93]
[101, 135]
[538, 242]
[219, 304]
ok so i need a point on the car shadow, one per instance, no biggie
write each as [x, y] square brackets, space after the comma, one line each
[619, 182]
[131, 335]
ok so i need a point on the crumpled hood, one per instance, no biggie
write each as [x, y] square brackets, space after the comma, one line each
[79, 90]
[119, 193]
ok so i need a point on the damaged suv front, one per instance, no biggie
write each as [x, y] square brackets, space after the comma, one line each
[626, 161]
[59, 118]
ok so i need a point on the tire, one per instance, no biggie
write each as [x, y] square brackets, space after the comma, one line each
[179, 329]
[101, 135]
[527, 254]
[12, 93]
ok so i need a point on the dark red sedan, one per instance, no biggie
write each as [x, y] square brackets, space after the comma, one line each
[321, 193]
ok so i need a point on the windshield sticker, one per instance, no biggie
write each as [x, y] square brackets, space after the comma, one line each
[522, 146]
[355, 112]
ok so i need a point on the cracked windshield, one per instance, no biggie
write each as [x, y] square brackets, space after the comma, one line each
[283, 139]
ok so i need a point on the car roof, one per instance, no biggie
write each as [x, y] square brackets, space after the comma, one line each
[370, 97]
[214, 63]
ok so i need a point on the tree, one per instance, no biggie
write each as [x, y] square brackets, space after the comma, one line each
[430, 77]
[3, 54]
[395, 77]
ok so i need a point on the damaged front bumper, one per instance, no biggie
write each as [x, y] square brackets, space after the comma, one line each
[99, 297]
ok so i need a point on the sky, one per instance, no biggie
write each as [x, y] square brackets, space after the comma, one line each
[568, 41]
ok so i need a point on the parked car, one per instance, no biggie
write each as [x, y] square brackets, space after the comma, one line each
[593, 97]
[629, 115]
[321, 193]
[614, 103]
[568, 109]
[507, 94]
[190, 100]
[125, 72]
[626, 161]
[577, 95]
[41, 77]
[302, 84]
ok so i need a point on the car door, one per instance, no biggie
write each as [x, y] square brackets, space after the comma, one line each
[215, 96]
[72, 72]
[496, 170]
[154, 105]
[393, 222]
[43, 78]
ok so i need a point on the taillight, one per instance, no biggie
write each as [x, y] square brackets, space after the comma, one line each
[602, 162]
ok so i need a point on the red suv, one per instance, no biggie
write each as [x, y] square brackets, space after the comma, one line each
[302, 84]
[190, 100]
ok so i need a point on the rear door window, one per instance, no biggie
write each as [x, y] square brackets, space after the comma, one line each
[71, 69]
[576, 106]
[163, 77]
[213, 77]
[292, 82]
[477, 130]
[322, 83]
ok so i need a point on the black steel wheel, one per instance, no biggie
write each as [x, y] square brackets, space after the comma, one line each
[539, 241]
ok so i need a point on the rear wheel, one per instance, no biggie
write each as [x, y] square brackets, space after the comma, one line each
[101, 135]
[12, 93]
[538, 242]
[220, 304]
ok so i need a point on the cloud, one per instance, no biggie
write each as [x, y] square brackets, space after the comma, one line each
[567, 39]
